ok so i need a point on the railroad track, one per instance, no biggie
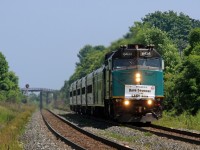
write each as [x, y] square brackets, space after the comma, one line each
[175, 134]
[76, 137]
[185, 136]
[180, 135]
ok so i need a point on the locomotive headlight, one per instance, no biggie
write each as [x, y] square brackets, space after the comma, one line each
[126, 102]
[149, 102]
[137, 77]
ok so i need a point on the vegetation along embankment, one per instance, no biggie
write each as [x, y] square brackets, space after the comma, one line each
[13, 113]
[177, 39]
[13, 118]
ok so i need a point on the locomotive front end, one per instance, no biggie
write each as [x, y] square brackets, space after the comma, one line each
[137, 85]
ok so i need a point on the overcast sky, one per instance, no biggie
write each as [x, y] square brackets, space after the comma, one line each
[41, 38]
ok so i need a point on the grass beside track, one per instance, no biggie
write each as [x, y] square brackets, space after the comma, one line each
[184, 121]
[13, 118]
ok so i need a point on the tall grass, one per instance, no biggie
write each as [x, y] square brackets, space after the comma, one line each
[13, 118]
[184, 121]
[6, 115]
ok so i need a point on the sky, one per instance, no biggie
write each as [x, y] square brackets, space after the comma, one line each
[41, 38]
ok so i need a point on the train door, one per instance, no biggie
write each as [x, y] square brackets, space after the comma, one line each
[108, 81]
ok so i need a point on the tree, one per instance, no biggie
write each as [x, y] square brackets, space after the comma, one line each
[9, 90]
[64, 92]
[3, 71]
[3, 65]
[176, 25]
[88, 49]
[83, 52]
[88, 61]
[194, 41]
[187, 84]
[194, 37]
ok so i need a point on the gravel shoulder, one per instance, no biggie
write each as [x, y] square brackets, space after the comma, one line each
[38, 137]
[131, 137]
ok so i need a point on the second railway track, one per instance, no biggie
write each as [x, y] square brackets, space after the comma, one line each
[170, 133]
[76, 137]
[185, 136]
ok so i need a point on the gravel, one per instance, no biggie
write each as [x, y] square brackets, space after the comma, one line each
[139, 140]
[38, 137]
[131, 137]
[74, 135]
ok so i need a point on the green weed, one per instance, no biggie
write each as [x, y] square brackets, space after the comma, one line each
[184, 120]
[121, 137]
[148, 134]
[6, 115]
[13, 124]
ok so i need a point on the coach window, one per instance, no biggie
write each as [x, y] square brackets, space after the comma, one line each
[79, 91]
[74, 93]
[70, 94]
[89, 89]
[83, 90]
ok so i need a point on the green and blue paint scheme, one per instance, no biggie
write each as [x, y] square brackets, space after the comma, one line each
[120, 78]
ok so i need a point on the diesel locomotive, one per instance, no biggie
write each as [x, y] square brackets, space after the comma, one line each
[127, 88]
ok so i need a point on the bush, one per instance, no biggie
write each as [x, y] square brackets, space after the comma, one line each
[14, 117]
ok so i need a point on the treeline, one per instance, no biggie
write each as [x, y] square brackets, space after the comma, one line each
[9, 89]
[177, 39]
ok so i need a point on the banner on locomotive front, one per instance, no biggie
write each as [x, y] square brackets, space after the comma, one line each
[139, 92]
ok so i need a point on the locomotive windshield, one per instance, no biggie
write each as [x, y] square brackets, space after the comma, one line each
[149, 63]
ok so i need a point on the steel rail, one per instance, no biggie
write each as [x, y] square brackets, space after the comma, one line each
[169, 135]
[68, 142]
[197, 135]
[98, 138]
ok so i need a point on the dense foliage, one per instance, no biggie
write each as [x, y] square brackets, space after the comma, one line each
[13, 118]
[90, 59]
[176, 38]
[187, 96]
[9, 90]
[177, 26]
